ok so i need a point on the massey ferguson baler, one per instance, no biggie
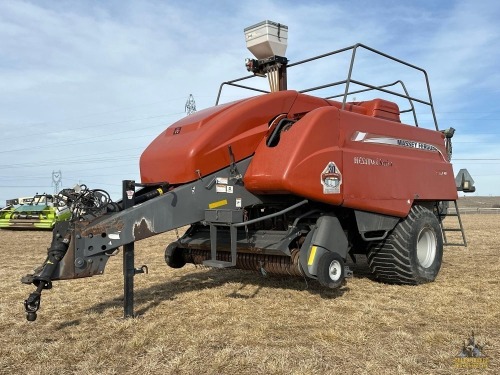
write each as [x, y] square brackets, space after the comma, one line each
[281, 183]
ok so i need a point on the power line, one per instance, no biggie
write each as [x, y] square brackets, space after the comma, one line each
[24, 186]
[58, 144]
[68, 119]
[106, 153]
[72, 161]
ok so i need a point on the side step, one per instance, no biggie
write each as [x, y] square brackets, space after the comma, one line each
[444, 229]
[226, 218]
[233, 219]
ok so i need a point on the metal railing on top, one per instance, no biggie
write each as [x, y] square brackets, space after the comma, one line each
[347, 82]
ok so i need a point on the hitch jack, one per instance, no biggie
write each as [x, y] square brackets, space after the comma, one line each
[129, 270]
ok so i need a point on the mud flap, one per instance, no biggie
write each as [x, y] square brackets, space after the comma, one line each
[327, 235]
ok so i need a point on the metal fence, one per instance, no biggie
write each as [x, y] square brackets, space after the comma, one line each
[478, 210]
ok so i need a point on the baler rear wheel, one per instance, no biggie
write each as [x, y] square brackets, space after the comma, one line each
[331, 271]
[412, 253]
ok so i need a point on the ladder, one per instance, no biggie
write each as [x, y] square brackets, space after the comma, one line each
[441, 216]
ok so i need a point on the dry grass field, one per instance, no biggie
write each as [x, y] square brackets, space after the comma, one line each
[473, 201]
[202, 321]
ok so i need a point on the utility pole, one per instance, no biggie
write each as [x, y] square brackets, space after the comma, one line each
[190, 106]
[57, 181]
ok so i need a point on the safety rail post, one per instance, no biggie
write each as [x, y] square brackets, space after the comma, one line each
[128, 199]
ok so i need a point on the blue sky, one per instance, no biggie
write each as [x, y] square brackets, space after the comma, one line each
[87, 85]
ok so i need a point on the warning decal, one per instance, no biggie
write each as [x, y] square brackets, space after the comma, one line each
[217, 204]
[331, 179]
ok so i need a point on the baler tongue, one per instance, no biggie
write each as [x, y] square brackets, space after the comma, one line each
[94, 218]
[84, 205]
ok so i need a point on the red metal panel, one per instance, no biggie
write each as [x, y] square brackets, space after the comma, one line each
[297, 163]
[389, 165]
[382, 109]
[361, 157]
[383, 165]
[200, 141]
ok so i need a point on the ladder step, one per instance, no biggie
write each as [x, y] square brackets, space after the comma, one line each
[444, 230]
[213, 262]
[218, 263]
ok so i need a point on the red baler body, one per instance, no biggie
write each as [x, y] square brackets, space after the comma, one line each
[381, 165]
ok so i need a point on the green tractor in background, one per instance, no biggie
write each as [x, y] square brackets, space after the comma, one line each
[39, 212]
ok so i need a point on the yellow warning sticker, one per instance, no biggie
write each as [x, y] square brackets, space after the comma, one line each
[310, 261]
[218, 204]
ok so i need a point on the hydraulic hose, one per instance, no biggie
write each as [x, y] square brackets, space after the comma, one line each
[43, 279]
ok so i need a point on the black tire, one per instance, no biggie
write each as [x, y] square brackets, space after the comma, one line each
[174, 256]
[442, 208]
[412, 253]
[331, 271]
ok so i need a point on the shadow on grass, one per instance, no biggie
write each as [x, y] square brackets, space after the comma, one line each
[360, 268]
[71, 323]
[250, 283]
[148, 298]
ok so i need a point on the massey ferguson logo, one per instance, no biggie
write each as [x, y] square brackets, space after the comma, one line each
[385, 140]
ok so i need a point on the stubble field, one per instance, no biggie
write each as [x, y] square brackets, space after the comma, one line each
[202, 321]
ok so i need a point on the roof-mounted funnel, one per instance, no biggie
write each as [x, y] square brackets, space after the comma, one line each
[266, 39]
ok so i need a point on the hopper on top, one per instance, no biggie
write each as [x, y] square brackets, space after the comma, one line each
[266, 39]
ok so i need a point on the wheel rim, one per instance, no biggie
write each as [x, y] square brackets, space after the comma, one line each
[335, 270]
[426, 247]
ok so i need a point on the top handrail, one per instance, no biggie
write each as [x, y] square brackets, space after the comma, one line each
[347, 82]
